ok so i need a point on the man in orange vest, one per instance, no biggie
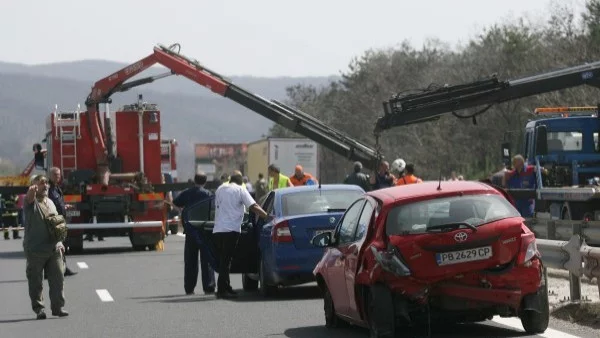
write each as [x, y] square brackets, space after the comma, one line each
[301, 178]
[409, 176]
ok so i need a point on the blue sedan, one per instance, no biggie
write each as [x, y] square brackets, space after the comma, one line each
[283, 255]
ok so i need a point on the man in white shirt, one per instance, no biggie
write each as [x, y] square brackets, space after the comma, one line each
[230, 202]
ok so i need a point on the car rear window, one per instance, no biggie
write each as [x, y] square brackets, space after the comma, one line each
[473, 209]
[311, 202]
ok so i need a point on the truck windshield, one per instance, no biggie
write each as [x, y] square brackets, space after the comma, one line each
[475, 210]
[565, 141]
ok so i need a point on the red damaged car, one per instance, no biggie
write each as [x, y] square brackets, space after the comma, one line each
[449, 252]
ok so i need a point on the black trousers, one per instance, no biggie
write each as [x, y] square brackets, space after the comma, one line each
[190, 262]
[225, 243]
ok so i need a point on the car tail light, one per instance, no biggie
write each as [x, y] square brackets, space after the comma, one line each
[528, 248]
[391, 261]
[281, 232]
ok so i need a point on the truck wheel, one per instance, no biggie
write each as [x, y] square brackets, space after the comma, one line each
[537, 322]
[380, 312]
[249, 284]
[174, 229]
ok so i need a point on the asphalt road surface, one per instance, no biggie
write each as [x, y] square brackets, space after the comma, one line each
[121, 293]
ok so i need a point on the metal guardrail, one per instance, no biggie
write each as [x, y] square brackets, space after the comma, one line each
[574, 256]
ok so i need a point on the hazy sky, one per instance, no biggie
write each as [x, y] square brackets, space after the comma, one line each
[244, 37]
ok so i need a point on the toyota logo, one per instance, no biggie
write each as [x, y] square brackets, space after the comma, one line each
[461, 236]
[331, 220]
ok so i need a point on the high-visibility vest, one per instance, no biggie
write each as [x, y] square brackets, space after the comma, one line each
[408, 179]
[307, 177]
[283, 182]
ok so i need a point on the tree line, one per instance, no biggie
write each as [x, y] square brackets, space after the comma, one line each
[509, 50]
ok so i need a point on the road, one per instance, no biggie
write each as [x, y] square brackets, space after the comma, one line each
[121, 293]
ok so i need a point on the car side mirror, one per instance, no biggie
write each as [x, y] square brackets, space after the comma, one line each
[322, 240]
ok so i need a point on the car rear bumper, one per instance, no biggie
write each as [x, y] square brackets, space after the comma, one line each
[290, 266]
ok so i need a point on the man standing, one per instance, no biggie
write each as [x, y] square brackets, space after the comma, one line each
[302, 178]
[409, 177]
[57, 197]
[382, 178]
[260, 187]
[41, 251]
[230, 201]
[277, 179]
[521, 177]
[184, 200]
[358, 177]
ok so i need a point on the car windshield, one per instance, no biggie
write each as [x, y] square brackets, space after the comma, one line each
[313, 201]
[475, 210]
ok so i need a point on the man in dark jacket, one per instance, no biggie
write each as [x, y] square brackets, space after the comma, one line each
[358, 177]
[184, 200]
[56, 195]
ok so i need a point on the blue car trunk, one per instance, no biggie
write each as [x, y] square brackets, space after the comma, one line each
[304, 227]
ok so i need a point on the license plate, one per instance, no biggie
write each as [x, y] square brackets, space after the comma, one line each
[73, 213]
[462, 256]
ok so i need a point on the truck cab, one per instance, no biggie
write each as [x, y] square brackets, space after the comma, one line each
[566, 145]
[564, 142]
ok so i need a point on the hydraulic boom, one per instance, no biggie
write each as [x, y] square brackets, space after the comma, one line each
[178, 64]
[415, 108]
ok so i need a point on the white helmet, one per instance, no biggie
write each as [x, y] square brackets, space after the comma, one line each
[398, 165]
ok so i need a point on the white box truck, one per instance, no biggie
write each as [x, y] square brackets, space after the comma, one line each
[283, 152]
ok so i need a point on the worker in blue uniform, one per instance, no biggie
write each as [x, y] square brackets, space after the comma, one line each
[193, 245]
[522, 177]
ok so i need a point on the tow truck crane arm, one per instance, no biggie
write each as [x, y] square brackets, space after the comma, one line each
[178, 64]
[431, 104]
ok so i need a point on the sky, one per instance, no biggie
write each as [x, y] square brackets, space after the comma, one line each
[246, 37]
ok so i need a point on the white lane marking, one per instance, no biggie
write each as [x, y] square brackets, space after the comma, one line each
[82, 265]
[515, 323]
[104, 295]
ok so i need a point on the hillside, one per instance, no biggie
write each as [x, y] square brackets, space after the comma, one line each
[191, 113]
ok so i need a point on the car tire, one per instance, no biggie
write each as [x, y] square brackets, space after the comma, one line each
[265, 289]
[537, 322]
[380, 312]
[249, 284]
[331, 318]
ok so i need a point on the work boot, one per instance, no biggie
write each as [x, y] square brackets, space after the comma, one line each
[68, 272]
[41, 315]
[6, 235]
[60, 313]
[16, 234]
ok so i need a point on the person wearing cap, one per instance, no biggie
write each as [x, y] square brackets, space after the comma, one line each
[277, 180]
[231, 201]
[358, 177]
[41, 251]
[302, 178]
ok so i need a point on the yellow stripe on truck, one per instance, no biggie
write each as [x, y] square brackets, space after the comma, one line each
[154, 196]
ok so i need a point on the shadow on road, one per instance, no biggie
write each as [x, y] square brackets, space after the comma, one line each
[102, 251]
[177, 299]
[452, 331]
[8, 321]
[283, 294]
[12, 255]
